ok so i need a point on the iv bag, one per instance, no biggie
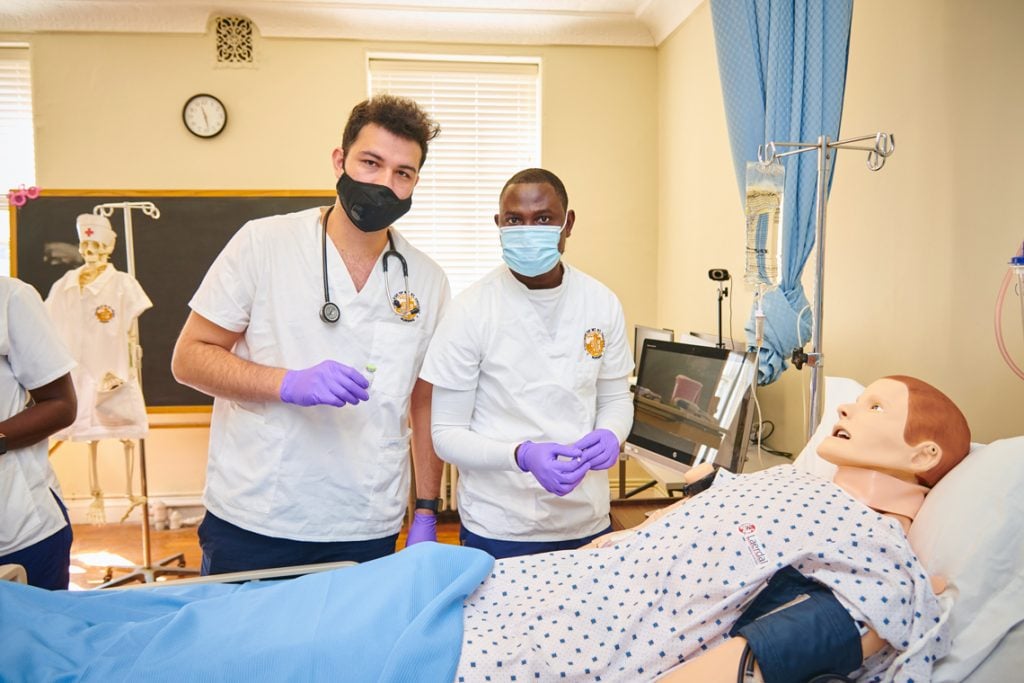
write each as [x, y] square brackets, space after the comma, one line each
[763, 207]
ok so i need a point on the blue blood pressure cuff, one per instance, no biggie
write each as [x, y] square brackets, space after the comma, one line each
[798, 630]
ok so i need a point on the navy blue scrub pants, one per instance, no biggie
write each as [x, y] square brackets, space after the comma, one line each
[228, 548]
[47, 562]
[499, 549]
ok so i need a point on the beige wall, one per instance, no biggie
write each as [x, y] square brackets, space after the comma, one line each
[108, 115]
[914, 253]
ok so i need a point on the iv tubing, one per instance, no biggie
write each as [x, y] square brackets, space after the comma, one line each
[999, 322]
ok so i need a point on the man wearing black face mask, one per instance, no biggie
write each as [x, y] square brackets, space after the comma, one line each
[309, 460]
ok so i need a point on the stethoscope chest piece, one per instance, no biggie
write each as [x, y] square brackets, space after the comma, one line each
[407, 308]
[330, 312]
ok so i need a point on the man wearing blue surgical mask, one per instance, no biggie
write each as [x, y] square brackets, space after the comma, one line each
[530, 371]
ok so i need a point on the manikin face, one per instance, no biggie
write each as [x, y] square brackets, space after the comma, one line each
[380, 157]
[869, 434]
[94, 252]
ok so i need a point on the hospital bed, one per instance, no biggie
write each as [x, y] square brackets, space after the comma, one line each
[968, 531]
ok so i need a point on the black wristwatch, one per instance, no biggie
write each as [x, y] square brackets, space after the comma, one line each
[431, 504]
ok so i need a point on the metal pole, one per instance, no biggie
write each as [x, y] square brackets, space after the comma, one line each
[816, 358]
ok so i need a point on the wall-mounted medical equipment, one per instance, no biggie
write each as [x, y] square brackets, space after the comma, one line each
[1014, 272]
[884, 146]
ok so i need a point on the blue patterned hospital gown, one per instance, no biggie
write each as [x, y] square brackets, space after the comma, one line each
[633, 610]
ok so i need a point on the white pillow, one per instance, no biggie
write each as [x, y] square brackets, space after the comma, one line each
[970, 531]
[838, 390]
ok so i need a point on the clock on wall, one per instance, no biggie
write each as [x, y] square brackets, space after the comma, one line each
[204, 115]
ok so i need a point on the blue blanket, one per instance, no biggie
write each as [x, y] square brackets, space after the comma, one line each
[394, 619]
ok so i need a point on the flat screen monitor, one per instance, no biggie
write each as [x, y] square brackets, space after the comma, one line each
[643, 333]
[691, 405]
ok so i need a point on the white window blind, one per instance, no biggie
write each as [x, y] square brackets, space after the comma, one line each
[489, 113]
[17, 145]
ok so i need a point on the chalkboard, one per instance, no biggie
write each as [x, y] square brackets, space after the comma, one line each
[172, 254]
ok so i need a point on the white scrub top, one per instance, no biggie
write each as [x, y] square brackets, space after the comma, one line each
[532, 383]
[94, 322]
[320, 473]
[31, 356]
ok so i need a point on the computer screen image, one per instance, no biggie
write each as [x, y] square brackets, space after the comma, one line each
[691, 406]
[641, 334]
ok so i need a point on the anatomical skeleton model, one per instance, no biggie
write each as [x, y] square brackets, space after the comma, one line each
[95, 308]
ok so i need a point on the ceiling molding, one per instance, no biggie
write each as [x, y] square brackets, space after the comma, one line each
[638, 23]
[662, 17]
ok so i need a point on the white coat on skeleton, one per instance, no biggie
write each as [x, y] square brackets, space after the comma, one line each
[94, 322]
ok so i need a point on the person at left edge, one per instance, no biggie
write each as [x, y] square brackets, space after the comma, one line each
[308, 462]
[37, 399]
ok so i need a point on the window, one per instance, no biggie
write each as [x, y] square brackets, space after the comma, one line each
[489, 112]
[17, 162]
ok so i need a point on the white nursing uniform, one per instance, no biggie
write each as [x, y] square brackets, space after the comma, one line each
[319, 473]
[533, 382]
[31, 356]
[94, 322]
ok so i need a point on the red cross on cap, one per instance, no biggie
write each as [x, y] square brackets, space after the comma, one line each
[89, 232]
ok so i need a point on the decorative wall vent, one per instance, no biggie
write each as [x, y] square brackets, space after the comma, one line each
[234, 41]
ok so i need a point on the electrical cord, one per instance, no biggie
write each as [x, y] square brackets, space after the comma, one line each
[760, 433]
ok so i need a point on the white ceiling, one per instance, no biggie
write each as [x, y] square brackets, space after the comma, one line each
[526, 22]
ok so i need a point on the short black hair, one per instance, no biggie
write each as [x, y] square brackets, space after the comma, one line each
[399, 116]
[539, 176]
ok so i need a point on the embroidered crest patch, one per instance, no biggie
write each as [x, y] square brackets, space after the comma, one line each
[104, 313]
[593, 342]
[406, 306]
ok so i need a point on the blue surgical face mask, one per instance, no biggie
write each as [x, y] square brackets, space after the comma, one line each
[531, 250]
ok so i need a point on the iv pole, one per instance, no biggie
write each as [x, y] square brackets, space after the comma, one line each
[147, 571]
[885, 145]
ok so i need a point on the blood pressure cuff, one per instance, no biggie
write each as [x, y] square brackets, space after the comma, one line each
[813, 635]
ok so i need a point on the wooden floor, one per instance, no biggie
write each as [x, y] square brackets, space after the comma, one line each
[99, 547]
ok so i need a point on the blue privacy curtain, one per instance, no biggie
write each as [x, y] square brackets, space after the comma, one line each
[783, 69]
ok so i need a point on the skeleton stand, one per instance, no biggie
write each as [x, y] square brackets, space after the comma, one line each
[146, 572]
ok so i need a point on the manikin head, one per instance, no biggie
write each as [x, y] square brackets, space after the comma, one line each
[902, 427]
[95, 238]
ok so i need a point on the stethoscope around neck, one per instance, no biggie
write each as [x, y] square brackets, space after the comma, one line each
[330, 312]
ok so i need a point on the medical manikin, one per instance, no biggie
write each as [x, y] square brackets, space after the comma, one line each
[95, 308]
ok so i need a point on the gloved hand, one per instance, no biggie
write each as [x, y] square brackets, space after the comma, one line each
[600, 449]
[328, 383]
[542, 460]
[423, 528]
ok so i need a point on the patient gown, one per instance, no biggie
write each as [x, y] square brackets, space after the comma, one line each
[630, 611]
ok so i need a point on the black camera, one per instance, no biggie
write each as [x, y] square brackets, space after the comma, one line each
[718, 274]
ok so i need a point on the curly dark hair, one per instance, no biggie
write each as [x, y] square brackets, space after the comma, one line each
[399, 116]
[538, 176]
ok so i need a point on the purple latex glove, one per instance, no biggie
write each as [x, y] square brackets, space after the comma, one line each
[600, 449]
[328, 383]
[557, 476]
[423, 528]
